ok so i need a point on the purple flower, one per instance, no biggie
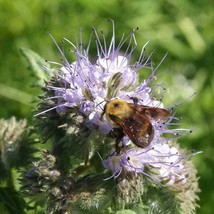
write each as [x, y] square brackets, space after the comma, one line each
[163, 160]
[88, 86]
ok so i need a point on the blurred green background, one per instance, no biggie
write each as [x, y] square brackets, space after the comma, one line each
[183, 29]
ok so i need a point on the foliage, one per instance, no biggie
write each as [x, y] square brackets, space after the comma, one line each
[182, 28]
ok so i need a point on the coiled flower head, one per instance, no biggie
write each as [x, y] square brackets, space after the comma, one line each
[74, 102]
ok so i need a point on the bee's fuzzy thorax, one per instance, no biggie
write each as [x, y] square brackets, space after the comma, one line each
[118, 108]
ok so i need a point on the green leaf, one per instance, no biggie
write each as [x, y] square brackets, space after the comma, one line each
[37, 65]
[11, 201]
[126, 212]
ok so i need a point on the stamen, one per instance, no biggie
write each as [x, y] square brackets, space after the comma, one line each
[99, 44]
[61, 52]
[181, 102]
[104, 42]
[55, 63]
[50, 109]
[130, 49]
[142, 53]
[112, 43]
[160, 62]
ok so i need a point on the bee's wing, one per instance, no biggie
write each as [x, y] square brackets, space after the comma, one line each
[138, 129]
[152, 112]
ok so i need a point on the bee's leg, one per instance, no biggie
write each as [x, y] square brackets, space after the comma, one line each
[118, 134]
[112, 153]
[117, 146]
[118, 143]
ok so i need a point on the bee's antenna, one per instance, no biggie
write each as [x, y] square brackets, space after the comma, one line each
[101, 103]
[103, 109]
[134, 99]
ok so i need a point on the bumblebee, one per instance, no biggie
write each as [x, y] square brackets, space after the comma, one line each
[133, 120]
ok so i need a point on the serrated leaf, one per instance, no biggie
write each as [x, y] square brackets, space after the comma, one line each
[37, 65]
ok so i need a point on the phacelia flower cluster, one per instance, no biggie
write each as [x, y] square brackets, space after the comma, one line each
[87, 86]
